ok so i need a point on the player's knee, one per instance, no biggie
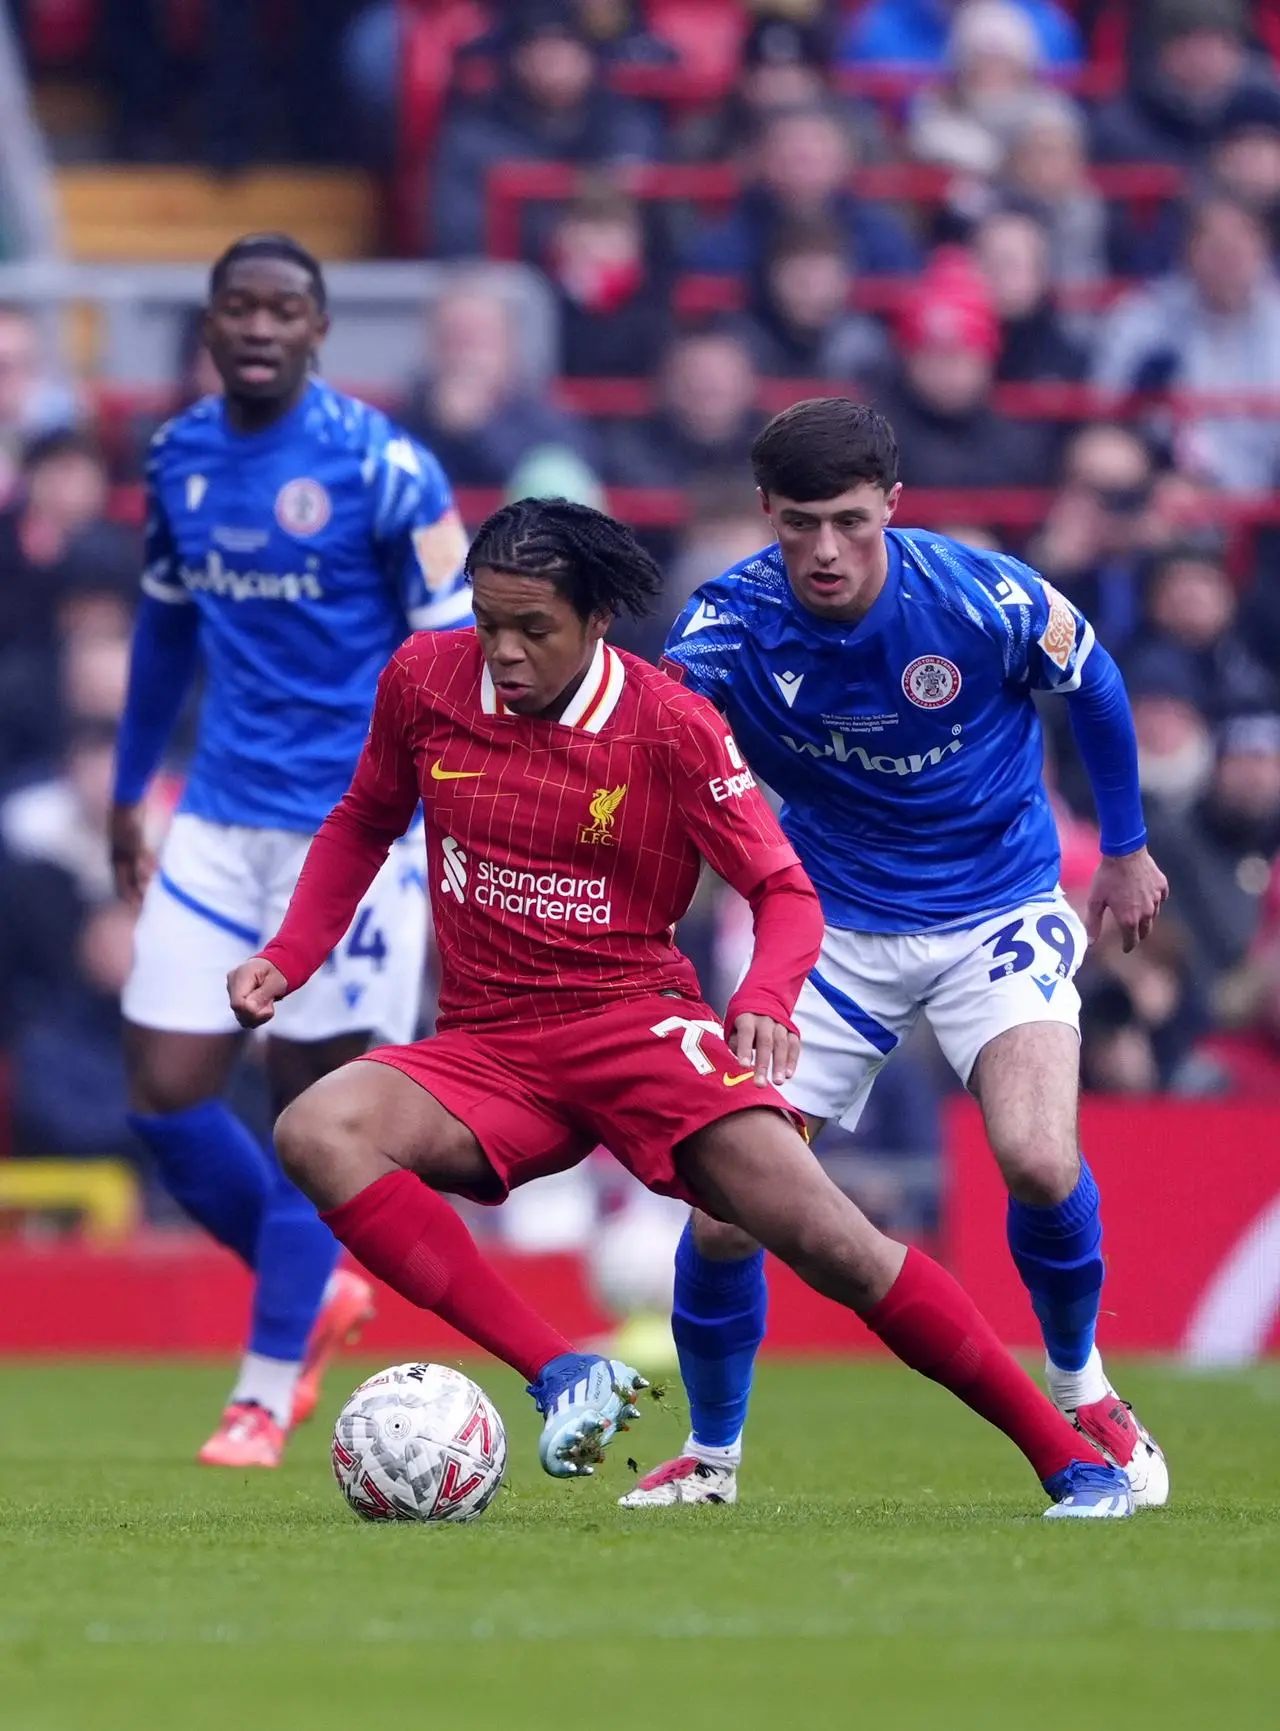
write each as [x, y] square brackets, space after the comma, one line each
[1038, 1170]
[719, 1242]
[311, 1137]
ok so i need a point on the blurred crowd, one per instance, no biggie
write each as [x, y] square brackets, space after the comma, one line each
[1021, 267]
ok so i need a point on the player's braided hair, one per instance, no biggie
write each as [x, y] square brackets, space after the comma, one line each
[594, 561]
[270, 244]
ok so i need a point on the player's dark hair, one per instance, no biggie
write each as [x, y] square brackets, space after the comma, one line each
[821, 447]
[270, 244]
[594, 561]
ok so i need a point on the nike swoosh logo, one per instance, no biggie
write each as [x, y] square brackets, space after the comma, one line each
[732, 1081]
[438, 774]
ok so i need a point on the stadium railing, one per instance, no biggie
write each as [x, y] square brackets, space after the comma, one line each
[103, 1192]
[511, 185]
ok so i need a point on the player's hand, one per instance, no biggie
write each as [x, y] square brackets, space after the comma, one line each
[132, 861]
[770, 1047]
[1134, 888]
[254, 988]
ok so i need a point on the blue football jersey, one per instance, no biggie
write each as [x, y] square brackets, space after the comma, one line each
[311, 551]
[905, 746]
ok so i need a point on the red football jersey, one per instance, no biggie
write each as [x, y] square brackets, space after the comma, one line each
[561, 853]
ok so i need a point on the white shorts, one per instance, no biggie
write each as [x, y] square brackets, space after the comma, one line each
[869, 988]
[221, 891]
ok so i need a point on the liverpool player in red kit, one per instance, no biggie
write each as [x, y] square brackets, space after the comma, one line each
[572, 793]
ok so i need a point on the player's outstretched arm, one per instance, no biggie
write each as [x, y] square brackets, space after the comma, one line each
[161, 666]
[1128, 882]
[787, 918]
[729, 821]
[352, 843]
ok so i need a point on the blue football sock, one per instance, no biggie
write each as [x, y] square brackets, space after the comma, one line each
[718, 1321]
[296, 1255]
[214, 1167]
[1058, 1253]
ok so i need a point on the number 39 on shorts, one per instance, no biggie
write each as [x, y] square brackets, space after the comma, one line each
[1013, 954]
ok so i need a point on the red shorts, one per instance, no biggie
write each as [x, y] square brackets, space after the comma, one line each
[638, 1076]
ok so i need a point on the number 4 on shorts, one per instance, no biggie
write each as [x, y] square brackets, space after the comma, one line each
[367, 940]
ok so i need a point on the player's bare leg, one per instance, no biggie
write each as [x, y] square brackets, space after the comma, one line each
[718, 1321]
[753, 1170]
[1027, 1084]
[373, 1149]
[342, 1298]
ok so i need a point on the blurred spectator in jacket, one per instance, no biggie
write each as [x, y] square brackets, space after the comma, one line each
[799, 325]
[620, 32]
[471, 406]
[1218, 853]
[1192, 605]
[1198, 61]
[1108, 518]
[1243, 163]
[1143, 1013]
[914, 33]
[613, 323]
[993, 56]
[1012, 249]
[1175, 741]
[69, 1091]
[949, 435]
[1214, 326]
[784, 66]
[61, 822]
[32, 401]
[799, 169]
[56, 550]
[1047, 170]
[550, 106]
[53, 865]
[705, 420]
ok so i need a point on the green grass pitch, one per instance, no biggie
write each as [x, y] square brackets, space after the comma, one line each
[886, 1569]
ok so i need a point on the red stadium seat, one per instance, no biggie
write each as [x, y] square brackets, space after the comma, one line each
[60, 31]
[707, 35]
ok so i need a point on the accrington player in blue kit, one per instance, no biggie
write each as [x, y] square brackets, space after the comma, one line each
[294, 538]
[881, 682]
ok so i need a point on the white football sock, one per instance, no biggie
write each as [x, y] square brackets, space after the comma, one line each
[1072, 1388]
[728, 1456]
[269, 1383]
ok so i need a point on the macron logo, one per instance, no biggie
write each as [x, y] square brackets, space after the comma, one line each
[197, 487]
[789, 685]
[707, 614]
[454, 882]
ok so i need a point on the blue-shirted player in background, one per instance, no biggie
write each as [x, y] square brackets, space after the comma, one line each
[881, 682]
[294, 538]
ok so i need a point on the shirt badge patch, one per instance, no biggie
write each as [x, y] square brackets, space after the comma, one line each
[1058, 640]
[603, 810]
[931, 681]
[303, 507]
[440, 549]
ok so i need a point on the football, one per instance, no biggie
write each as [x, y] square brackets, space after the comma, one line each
[419, 1442]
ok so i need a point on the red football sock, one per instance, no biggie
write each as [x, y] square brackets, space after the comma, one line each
[933, 1325]
[414, 1240]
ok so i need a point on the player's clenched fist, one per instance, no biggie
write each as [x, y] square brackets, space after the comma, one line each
[254, 989]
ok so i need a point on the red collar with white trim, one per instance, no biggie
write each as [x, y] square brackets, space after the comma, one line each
[592, 703]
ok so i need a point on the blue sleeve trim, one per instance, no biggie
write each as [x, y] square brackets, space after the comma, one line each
[161, 667]
[1103, 725]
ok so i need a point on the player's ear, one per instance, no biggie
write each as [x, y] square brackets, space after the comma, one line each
[598, 623]
[891, 500]
[764, 502]
[319, 331]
